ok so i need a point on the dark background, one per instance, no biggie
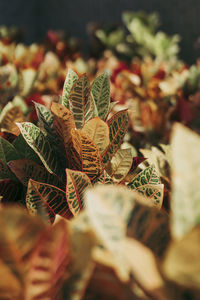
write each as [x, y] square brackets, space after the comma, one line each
[177, 16]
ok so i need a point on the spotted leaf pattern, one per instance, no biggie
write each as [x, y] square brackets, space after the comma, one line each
[77, 183]
[45, 197]
[98, 131]
[101, 92]
[42, 147]
[71, 78]
[118, 126]
[86, 155]
[45, 117]
[81, 102]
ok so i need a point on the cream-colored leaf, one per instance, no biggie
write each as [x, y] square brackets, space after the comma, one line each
[98, 131]
[182, 264]
[120, 165]
[185, 203]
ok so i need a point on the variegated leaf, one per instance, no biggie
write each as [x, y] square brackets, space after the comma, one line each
[154, 192]
[147, 176]
[119, 165]
[42, 196]
[63, 122]
[105, 179]
[81, 102]
[71, 78]
[12, 116]
[118, 126]
[98, 131]
[109, 229]
[47, 264]
[26, 169]
[101, 92]
[45, 117]
[148, 183]
[85, 155]
[40, 144]
[77, 183]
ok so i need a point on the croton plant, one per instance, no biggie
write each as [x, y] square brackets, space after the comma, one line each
[76, 145]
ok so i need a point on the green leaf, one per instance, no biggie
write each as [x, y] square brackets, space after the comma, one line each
[7, 151]
[148, 184]
[118, 126]
[45, 197]
[77, 183]
[40, 144]
[24, 150]
[81, 102]
[101, 92]
[45, 117]
[5, 172]
[26, 169]
[71, 78]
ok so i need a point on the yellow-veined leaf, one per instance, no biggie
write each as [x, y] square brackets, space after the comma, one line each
[98, 131]
[118, 126]
[42, 147]
[101, 92]
[45, 197]
[70, 79]
[81, 102]
[63, 122]
[85, 154]
[13, 115]
[119, 165]
[77, 183]
[148, 183]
